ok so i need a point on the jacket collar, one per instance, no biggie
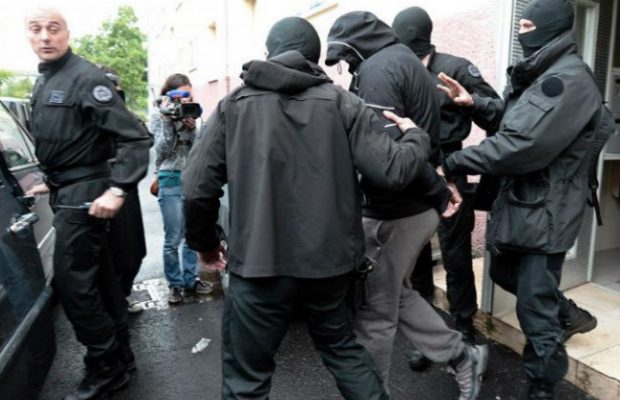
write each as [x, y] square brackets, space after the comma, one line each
[431, 58]
[49, 68]
[529, 69]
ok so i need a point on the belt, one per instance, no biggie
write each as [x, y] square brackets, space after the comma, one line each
[64, 177]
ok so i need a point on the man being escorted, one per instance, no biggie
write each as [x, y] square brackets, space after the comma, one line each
[289, 143]
[79, 123]
[398, 223]
[542, 151]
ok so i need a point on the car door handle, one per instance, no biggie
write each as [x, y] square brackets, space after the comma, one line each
[22, 222]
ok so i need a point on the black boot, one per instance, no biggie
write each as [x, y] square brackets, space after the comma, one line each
[540, 391]
[418, 361]
[104, 375]
[574, 319]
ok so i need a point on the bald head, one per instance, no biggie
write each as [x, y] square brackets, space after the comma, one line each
[44, 11]
[48, 33]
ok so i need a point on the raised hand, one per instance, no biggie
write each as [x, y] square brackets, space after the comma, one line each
[455, 91]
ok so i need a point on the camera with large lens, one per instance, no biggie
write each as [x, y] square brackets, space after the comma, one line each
[176, 109]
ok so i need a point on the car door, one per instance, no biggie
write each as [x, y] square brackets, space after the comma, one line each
[27, 343]
[18, 152]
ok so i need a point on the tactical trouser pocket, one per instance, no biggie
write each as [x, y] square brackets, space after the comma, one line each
[520, 218]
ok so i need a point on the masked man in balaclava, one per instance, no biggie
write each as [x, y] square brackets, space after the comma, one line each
[541, 152]
[398, 224]
[290, 143]
[413, 26]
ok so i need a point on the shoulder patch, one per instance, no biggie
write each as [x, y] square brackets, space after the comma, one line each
[474, 71]
[552, 87]
[102, 94]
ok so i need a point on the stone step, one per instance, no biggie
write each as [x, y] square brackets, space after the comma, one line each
[594, 357]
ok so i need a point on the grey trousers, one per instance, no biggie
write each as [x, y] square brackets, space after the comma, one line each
[392, 303]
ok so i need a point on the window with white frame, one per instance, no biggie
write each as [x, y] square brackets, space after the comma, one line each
[586, 28]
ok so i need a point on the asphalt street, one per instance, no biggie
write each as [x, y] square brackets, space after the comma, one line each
[163, 338]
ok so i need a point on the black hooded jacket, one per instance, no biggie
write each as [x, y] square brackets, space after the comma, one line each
[388, 75]
[289, 143]
[541, 150]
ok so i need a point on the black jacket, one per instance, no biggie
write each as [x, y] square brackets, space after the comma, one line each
[78, 120]
[541, 150]
[289, 144]
[456, 121]
[388, 75]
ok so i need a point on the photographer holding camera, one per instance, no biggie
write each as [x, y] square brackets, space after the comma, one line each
[174, 129]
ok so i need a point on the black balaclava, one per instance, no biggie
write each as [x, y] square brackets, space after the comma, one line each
[551, 17]
[294, 33]
[413, 27]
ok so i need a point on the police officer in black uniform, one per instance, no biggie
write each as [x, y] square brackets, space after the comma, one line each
[79, 123]
[414, 27]
[541, 151]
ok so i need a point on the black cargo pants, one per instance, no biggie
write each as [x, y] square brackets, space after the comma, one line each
[126, 240]
[455, 242]
[535, 280]
[257, 314]
[84, 277]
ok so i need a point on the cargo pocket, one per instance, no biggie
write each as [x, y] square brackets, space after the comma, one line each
[60, 117]
[521, 220]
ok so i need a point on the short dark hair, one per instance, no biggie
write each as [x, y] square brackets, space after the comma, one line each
[175, 81]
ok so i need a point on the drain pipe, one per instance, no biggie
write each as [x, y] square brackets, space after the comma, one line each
[226, 52]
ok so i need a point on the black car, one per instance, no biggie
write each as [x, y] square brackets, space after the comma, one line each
[20, 109]
[27, 342]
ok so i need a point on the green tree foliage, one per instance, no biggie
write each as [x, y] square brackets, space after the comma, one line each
[121, 46]
[5, 76]
[15, 86]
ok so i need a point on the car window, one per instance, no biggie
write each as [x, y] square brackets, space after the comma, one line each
[16, 149]
[21, 274]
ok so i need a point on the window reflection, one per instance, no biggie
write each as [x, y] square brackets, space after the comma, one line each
[12, 144]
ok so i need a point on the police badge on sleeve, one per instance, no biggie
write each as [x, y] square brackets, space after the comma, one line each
[103, 94]
[474, 71]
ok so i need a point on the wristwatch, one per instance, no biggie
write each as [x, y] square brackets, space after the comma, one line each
[118, 192]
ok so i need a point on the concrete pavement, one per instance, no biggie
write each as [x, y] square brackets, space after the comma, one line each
[167, 369]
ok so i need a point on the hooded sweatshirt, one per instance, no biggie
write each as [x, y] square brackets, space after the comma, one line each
[289, 144]
[387, 75]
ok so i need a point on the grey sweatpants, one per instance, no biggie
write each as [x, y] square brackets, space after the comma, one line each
[392, 304]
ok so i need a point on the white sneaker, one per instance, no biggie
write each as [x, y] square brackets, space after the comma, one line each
[134, 307]
[470, 371]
